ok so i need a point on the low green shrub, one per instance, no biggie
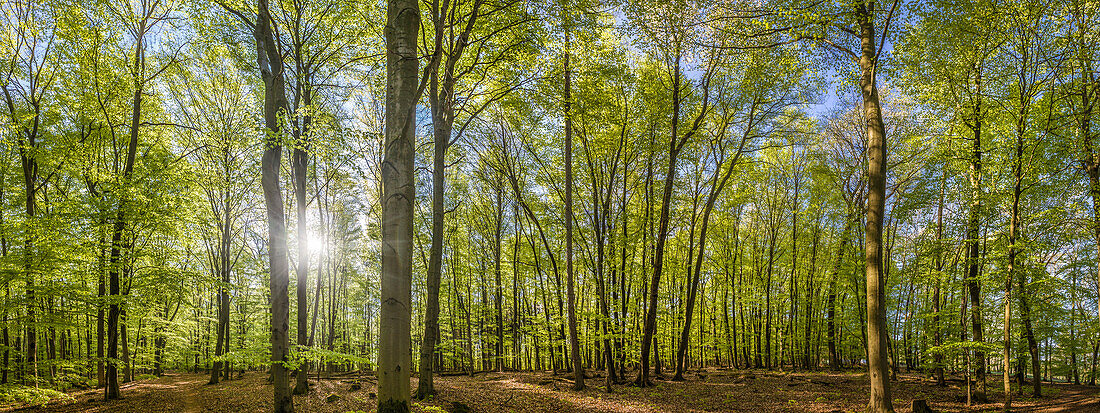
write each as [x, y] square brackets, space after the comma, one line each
[18, 394]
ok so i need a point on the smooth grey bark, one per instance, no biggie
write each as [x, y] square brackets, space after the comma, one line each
[876, 206]
[398, 200]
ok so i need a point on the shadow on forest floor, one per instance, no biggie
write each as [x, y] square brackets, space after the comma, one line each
[704, 391]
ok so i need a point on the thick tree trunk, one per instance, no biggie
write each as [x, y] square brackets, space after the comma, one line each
[270, 62]
[398, 201]
[876, 203]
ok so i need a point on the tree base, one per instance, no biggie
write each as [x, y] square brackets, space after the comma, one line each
[393, 406]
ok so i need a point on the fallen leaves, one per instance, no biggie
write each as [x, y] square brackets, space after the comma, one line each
[722, 390]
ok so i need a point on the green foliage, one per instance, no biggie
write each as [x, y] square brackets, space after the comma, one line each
[766, 100]
[25, 395]
[429, 408]
[320, 356]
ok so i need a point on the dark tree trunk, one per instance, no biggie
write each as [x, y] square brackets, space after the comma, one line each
[571, 299]
[270, 62]
[116, 261]
[718, 183]
[299, 166]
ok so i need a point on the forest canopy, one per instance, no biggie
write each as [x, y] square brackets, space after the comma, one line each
[639, 188]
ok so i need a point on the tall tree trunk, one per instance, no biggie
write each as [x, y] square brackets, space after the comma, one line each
[810, 295]
[937, 302]
[773, 235]
[1013, 250]
[549, 251]
[30, 174]
[600, 229]
[398, 201]
[116, 261]
[674, 147]
[517, 334]
[270, 61]
[876, 205]
[299, 167]
[127, 366]
[222, 269]
[498, 290]
[973, 233]
[27, 145]
[718, 183]
[793, 292]
[7, 286]
[831, 324]
[426, 385]
[571, 299]
[101, 318]
[1029, 333]
[1088, 101]
[602, 193]
[441, 137]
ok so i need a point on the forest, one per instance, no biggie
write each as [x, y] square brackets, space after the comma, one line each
[550, 205]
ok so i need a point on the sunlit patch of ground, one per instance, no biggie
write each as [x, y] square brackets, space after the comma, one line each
[713, 390]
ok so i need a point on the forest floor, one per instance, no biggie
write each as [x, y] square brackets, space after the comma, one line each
[712, 390]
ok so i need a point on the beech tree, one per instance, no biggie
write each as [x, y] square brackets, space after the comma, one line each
[398, 199]
[620, 193]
